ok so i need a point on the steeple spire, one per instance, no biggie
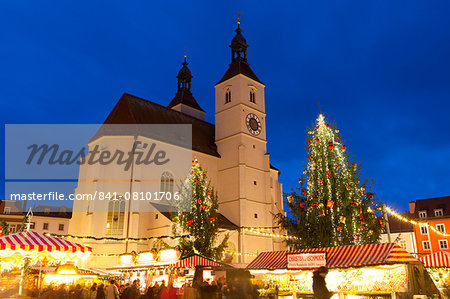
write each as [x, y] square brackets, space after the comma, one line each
[238, 44]
[184, 76]
[184, 101]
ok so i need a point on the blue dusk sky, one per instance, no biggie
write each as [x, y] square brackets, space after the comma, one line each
[380, 69]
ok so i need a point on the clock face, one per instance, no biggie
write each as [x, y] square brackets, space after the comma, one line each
[253, 124]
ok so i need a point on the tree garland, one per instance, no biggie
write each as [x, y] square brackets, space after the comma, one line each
[331, 207]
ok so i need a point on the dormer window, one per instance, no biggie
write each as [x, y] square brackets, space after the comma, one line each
[252, 96]
[438, 213]
[422, 214]
[227, 96]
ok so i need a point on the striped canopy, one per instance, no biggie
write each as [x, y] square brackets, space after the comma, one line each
[31, 240]
[437, 259]
[195, 260]
[340, 257]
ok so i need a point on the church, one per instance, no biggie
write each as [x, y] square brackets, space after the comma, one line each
[233, 151]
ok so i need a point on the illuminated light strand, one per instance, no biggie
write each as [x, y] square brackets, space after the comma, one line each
[259, 232]
[84, 238]
[256, 230]
[400, 217]
[239, 253]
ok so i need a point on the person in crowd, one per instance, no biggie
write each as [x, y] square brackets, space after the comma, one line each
[169, 292]
[111, 291]
[225, 291]
[215, 290]
[132, 291]
[320, 289]
[189, 292]
[121, 289]
[100, 294]
[92, 291]
[61, 293]
[150, 293]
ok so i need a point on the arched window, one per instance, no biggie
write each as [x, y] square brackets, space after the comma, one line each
[227, 96]
[252, 96]
[167, 182]
[116, 216]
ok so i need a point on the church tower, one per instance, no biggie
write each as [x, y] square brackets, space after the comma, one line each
[184, 101]
[249, 193]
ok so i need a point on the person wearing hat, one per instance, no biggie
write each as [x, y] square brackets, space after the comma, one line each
[320, 289]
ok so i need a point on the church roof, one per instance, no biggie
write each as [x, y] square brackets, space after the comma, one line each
[239, 67]
[222, 221]
[134, 110]
[186, 98]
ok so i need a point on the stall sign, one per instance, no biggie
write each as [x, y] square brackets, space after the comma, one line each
[306, 260]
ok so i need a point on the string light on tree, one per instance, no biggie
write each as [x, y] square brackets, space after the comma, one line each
[331, 206]
[197, 214]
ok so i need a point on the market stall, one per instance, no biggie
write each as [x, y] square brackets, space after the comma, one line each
[20, 251]
[167, 267]
[67, 274]
[438, 266]
[358, 271]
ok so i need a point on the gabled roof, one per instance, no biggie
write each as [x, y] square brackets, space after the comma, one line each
[134, 110]
[239, 67]
[186, 98]
[398, 226]
[222, 221]
[31, 240]
[340, 257]
[431, 204]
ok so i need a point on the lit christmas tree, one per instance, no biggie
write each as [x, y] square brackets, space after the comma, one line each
[197, 216]
[331, 207]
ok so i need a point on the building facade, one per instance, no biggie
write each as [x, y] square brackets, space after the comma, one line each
[433, 212]
[233, 151]
[401, 233]
[45, 219]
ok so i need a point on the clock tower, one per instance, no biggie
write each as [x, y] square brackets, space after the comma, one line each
[244, 169]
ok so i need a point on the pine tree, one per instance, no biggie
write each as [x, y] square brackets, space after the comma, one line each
[331, 206]
[197, 216]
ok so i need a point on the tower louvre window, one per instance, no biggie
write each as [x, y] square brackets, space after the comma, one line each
[252, 96]
[228, 96]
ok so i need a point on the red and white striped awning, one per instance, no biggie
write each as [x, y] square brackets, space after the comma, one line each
[31, 240]
[437, 259]
[340, 257]
[195, 260]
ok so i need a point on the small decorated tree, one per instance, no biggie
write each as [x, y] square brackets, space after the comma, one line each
[197, 216]
[331, 206]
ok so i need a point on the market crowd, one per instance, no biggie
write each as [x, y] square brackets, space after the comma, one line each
[217, 289]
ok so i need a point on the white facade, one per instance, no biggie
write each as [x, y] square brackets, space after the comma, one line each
[406, 240]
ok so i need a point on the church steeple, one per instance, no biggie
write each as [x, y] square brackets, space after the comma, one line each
[184, 77]
[184, 101]
[239, 64]
[238, 45]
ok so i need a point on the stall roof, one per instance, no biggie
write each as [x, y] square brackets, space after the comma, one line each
[197, 260]
[437, 259]
[187, 262]
[35, 241]
[340, 257]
